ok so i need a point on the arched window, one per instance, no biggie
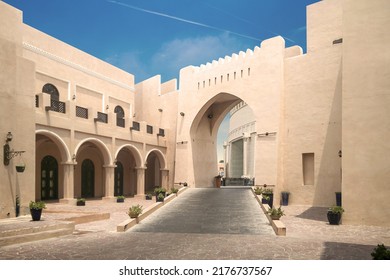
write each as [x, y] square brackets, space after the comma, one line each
[52, 90]
[55, 103]
[87, 178]
[118, 180]
[120, 116]
[49, 178]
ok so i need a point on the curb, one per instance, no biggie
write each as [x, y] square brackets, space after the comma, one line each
[278, 226]
[129, 223]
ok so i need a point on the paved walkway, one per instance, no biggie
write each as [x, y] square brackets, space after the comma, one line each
[206, 224]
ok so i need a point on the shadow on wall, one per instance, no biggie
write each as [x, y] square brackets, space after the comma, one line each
[329, 173]
[346, 251]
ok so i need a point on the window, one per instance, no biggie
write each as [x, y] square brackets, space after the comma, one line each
[52, 90]
[120, 116]
[135, 126]
[161, 132]
[149, 129]
[308, 168]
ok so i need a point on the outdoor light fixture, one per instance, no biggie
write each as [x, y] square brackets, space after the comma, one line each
[182, 114]
[107, 107]
[8, 153]
[210, 116]
[160, 110]
[340, 153]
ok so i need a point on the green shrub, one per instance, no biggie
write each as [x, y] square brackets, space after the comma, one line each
[37, 205]
[380, 253]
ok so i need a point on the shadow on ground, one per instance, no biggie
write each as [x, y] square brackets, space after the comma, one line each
[346, 251]
[315, 213]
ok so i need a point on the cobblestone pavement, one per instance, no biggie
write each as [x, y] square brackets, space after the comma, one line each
[227, 224]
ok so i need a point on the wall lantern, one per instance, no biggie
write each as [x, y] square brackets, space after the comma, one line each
[182, 114]
[8, 153]
[340, 153]
[160, 110]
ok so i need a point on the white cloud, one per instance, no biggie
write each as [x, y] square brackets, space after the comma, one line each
[130, 61]
[179, 53]
[174, 55]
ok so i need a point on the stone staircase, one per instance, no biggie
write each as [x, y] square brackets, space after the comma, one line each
[22, 230]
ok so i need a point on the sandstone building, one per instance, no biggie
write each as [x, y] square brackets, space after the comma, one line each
[321, 118]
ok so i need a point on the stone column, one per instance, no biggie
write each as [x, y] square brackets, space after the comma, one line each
[68, 183]
[109, 182]
[245, 154]
[164, 178]
[140, 182]
[225, 158]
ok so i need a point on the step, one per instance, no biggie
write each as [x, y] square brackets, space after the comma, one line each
[37, 232]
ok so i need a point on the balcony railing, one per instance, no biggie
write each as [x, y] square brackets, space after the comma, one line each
[81, 112]
[101, 117]
[56, 106]
[120, 122]
[135, 126]
[161, 132]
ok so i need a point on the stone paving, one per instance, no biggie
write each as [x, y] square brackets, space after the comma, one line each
[205, 224]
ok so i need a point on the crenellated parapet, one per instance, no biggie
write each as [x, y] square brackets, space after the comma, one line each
[237, 66]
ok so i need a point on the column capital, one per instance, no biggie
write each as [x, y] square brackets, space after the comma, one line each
[140, 168]
[109, 166]
[68, 163]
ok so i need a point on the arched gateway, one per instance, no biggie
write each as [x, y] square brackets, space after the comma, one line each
[210, 91]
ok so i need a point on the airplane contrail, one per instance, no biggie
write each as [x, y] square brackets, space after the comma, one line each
[182, 20]
[247, 21]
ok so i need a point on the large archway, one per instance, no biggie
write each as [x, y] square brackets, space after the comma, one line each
[203, 132]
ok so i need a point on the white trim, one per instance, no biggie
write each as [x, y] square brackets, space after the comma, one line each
[76, 66]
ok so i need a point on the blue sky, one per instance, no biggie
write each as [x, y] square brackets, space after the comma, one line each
[151, 37]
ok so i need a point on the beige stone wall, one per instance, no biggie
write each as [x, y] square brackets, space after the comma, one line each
[16, 113]
[366, 114]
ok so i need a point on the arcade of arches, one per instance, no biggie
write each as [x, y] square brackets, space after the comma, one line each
[90, 173]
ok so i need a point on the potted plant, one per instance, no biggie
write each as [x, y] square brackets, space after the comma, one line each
[158, 191]
[276, 213]
[120, 198]
[285, 196]
[268, 195]
[334, 215]
[80, 202]
[160, 197]
[20, 167]
[36, 209]
[148, 196]
[258, 190]
[381, 253]
[175, 190]
[135, 211]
